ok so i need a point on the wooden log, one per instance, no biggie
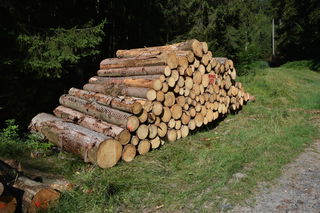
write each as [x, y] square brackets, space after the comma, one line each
[119, 90]
[92, 146]
[143, 117]
[1, 188]
[151, 94]
[155, 143]
[144, 147]
[192, 124]
[176, 111]
[172, 135]
[194, 45]
[125, 104]
[128, 153]
[184, 131]
[87, 121]
[127, 81]
[171, 123]
[131, 71]
[142, 131]
[198, 119]
[204, 47]
[134, 140]
[162, 129]
[157, 108]
[122, 119]
[8, 203]
[167, 58]
[36, 197]
[153, 131]
[169, 99]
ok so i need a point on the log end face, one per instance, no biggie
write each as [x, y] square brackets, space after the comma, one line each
[124, 137]
[43, 199]
[136, 108]
[109, 153]
[129, 152]
[133, 123]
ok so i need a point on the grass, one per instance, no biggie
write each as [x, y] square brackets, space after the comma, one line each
[196, 173]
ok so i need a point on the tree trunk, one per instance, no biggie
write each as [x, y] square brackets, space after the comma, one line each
[87, 121]
[132, 71]
[122, 119]
[125, 103]
[93, 147]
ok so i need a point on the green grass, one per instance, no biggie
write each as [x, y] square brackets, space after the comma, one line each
[196, 173]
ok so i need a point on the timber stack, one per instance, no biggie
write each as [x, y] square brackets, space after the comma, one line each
[140, 100]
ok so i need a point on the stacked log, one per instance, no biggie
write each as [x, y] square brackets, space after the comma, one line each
[141, 99]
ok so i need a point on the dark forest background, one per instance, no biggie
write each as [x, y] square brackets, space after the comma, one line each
[49, 46]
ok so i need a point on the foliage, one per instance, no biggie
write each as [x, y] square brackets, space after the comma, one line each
[12, 144]
[50, 53]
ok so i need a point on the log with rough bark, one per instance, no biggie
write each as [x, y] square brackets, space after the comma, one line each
[132, 71]
[132, 81]
[193, 45]
[36, 196]
[130, 105]
[169, 59]
[122, 119]
[117, 90]
[93, 147]
[87, 121]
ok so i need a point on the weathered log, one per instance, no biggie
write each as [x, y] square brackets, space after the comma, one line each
[87, 121]
[169, 59]
[132, 71]
[193, 45]
[122, 103]
[36, 196]
[93, 147]
[117, 90]
[8, 203]
[122, 119]
[144, 147]
[143, 81]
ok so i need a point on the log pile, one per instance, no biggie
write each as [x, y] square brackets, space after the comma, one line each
[140, 100]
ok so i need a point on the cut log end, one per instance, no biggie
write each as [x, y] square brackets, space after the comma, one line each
[129, 153]
[136, 108]
[144, 147]
[124, 137]
[133, 123]
[43, 199]
[109, 153]
[8, 203]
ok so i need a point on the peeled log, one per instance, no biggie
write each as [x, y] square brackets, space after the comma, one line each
[36, 196]
[193, 45]
[169, 59]
[132, 71]
[117, 90]
[93, 147]
[121, 134]
[122, 119]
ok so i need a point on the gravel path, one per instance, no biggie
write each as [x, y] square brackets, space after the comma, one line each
[297, 190]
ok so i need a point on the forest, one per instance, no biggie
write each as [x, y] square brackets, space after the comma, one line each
[49, 46]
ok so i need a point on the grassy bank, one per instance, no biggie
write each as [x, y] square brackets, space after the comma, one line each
[197, 173]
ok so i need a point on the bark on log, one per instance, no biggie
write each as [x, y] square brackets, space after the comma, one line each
[36, 197]
[87, 121]
[122, 119]
[169, 59]
[125, 104]
[138, 81]
[132, 71]
[93, 147]
[117, 90]
[193, 45]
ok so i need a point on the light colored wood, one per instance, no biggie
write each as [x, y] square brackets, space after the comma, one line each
[87, 121]
[166, 114]
[131, 71]
[144, 147]
[129, 152]
[160, 96]
[184, 131]
[198, 119]
[169, 59]
[134, 140]
[155, 143]
[162, 129]
[92, 146]
[142, 131]
[169, 99]
[172, 135]
[171, 123]
[153, 131]
[151, 94]
[143, 117]
[157, 84]
[157, 108]
[176, 111]
[122, 103]
[192, 124]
